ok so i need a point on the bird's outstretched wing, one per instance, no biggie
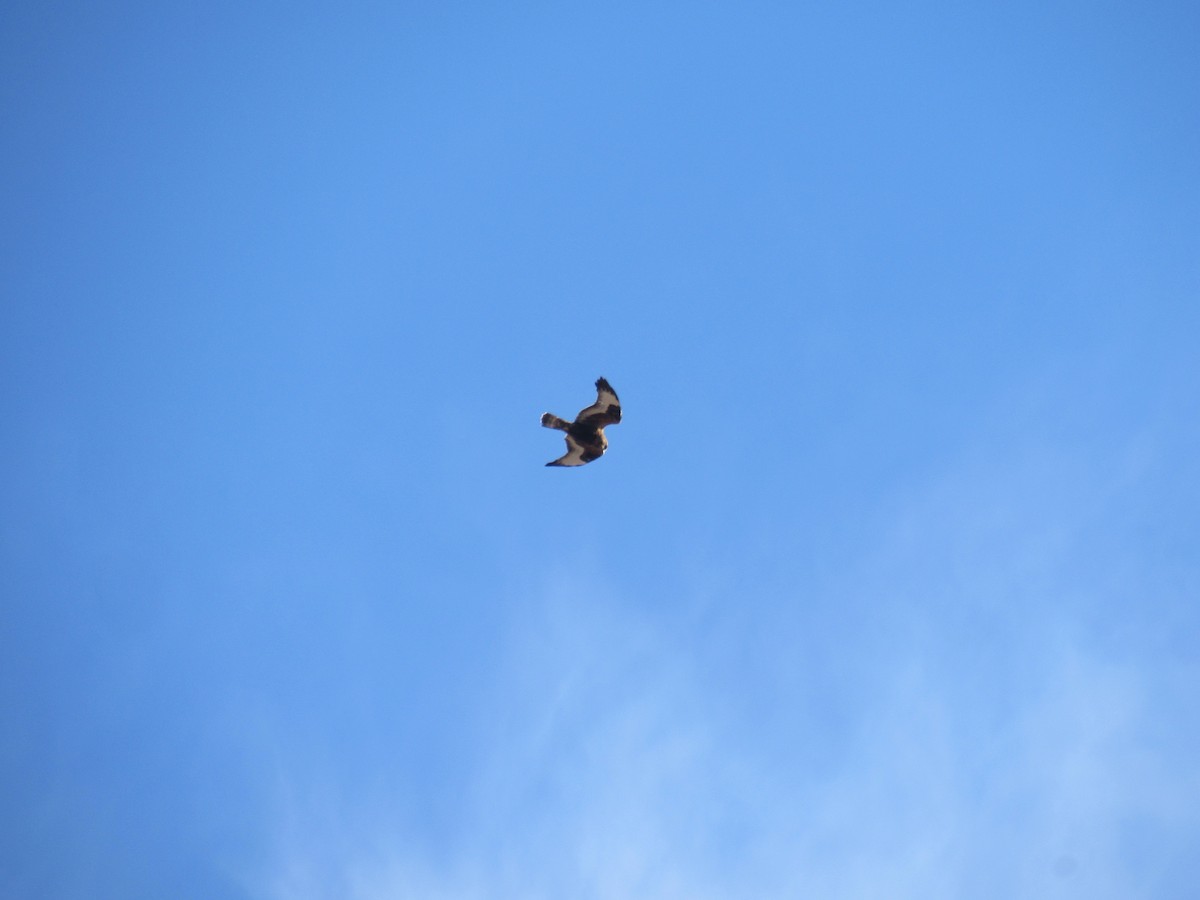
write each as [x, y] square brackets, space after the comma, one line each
[577, 454]
[605, 411]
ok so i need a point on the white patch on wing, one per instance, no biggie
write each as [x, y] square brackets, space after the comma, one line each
[604, 399]
[573, 456]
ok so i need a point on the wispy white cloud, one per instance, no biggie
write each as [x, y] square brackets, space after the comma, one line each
[1028, 761]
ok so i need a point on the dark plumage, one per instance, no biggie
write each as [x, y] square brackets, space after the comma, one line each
[585, 436]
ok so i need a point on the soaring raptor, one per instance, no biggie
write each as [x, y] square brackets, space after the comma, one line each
[585, 436]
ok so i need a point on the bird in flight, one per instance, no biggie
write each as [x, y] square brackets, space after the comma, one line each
[585, 436]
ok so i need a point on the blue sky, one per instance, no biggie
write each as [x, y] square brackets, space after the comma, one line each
[887, 587]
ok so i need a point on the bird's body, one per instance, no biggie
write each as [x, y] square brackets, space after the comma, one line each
[585, 436]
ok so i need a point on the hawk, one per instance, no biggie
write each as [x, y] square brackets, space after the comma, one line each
[585, 436]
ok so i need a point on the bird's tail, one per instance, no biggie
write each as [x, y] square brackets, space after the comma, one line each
[552, 421]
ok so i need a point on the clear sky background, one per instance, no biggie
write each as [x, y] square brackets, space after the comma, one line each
[888, 587]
